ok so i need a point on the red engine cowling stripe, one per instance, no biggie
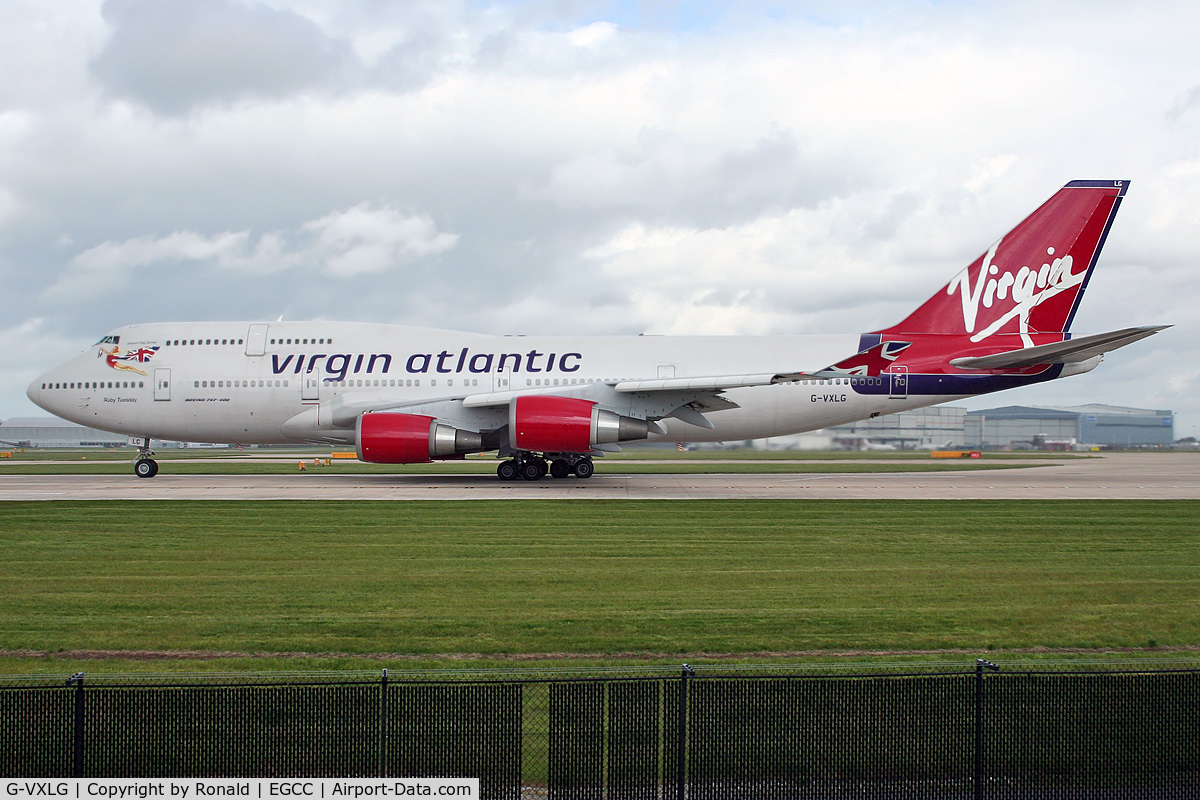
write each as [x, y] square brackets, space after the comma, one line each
[549, 424]
[394, 438]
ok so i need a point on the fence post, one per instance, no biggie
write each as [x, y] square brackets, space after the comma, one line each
[383, 723]
[980, 665]
[76, 680]
[681, 777]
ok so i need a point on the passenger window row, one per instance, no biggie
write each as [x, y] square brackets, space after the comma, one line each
[565, 382]
[187, 342]
[96, 385]
[235, 384]
[302, 341]
[381, 383]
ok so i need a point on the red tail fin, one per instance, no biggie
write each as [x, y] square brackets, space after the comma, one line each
[1031, 280]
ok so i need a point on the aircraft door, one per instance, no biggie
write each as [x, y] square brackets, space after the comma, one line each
[256, 340]
[899, 383]
[502, 381]
[162, 384]
[310, 386]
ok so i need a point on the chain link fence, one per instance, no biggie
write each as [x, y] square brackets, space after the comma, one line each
[1111, 730]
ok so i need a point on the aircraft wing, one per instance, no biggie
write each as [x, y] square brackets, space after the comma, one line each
[717, 383]
[704, 385]
[1068, 352]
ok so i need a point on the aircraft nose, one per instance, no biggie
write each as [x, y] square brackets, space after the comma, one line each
[34, 392]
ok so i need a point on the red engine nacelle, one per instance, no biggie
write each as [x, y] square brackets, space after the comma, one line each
[548, 424]
[384, 438]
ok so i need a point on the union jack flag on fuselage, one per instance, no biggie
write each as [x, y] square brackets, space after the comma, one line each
[142, 354]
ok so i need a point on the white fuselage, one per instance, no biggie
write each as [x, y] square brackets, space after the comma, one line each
[306, 381]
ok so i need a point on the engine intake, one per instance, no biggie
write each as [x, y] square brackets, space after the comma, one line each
[384, 438]
[548, 424]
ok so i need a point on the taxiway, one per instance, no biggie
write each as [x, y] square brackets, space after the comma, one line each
[1132, 476]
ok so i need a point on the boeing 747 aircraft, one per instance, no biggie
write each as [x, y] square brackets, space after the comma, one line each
[549, 404]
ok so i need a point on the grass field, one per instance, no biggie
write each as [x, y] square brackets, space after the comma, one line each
[619, 579]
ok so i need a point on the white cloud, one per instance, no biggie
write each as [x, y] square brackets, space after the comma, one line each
[987, 171]
[360, 240]
[1183, 169]
[365, 240]
[793, 272]
[115, 257]
[592, 35]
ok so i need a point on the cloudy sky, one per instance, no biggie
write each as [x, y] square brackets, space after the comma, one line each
[557, 166]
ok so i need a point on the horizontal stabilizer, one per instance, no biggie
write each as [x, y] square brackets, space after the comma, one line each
[1068, 352]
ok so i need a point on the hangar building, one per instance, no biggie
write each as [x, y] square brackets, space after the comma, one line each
[1094, 424]
[951, 427]
[54, 432]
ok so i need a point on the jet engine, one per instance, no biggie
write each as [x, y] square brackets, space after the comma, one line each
[388, 438]
[548, 424]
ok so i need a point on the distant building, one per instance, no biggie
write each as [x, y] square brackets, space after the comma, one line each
[1039, 427]
[922, 428]
[1049, 427]
[54, 432]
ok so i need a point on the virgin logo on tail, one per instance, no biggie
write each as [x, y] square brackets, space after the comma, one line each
[1031, 280]
[1025, 291]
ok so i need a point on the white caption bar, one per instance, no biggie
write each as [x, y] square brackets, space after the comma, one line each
[253, 788]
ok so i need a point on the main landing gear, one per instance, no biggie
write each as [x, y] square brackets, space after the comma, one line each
[145, 466]
[533, 467]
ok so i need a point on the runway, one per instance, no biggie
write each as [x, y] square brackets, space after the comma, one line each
[1128, 476]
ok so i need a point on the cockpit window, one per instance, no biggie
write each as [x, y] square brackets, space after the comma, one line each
[109, 340]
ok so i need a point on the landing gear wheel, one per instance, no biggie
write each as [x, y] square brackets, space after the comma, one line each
[145, 468]
[584, 468]
[559, 468]
[533, 470]
[507, 470]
